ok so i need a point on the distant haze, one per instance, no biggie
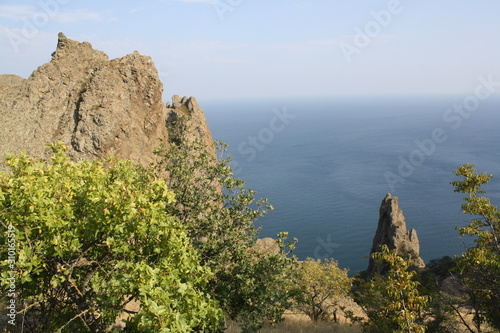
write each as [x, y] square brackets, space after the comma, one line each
[252, 49]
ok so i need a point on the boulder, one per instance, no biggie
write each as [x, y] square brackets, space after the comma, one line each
[268, 245]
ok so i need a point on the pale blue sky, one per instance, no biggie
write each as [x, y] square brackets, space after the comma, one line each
[216, 49]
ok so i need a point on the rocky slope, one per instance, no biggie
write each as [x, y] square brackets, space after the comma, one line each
[391, 231]
[97, 106]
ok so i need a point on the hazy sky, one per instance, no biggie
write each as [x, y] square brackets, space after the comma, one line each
[216, 49]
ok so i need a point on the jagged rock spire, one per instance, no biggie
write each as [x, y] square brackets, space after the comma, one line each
[391, 231]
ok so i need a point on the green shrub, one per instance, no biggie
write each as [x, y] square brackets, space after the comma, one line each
[90, 239]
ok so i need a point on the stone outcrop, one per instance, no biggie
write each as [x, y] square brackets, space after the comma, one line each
[391, 231]
[196, 124]
[8, 80]
[98, 107]
[268, 245]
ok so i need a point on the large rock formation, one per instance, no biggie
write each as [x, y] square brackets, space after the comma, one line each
[391, 231]
[98, 107]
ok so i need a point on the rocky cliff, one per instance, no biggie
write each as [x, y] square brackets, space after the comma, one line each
[391, 231]
[97, 106]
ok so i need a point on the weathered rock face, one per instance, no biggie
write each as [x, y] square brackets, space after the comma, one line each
[98, 107]
[196, 123]
[391, 231]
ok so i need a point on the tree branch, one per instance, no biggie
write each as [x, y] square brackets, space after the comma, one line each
[75, 317]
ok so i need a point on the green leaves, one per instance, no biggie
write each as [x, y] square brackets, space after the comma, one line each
[219, 215]
[472, 181]
[319, 285]
[480, 265]
[392, 301]
[93, 237]
[96, 239]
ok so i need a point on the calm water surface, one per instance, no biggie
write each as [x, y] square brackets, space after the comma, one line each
[325, 165]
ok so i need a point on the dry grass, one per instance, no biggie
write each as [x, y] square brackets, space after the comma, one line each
[300, 324]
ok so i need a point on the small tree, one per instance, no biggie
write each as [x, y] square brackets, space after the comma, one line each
[319, 287]
[219, 214]
[258, 286]
[392, 301]
[90, 239]
[480, 265]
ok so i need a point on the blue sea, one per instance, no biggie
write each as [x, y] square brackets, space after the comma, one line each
[326, 164]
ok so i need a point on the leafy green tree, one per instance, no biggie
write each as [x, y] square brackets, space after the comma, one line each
[258, 286]
[392, 301]
[319, 287]
[220, 214]
[93, 238]
[480, 265]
